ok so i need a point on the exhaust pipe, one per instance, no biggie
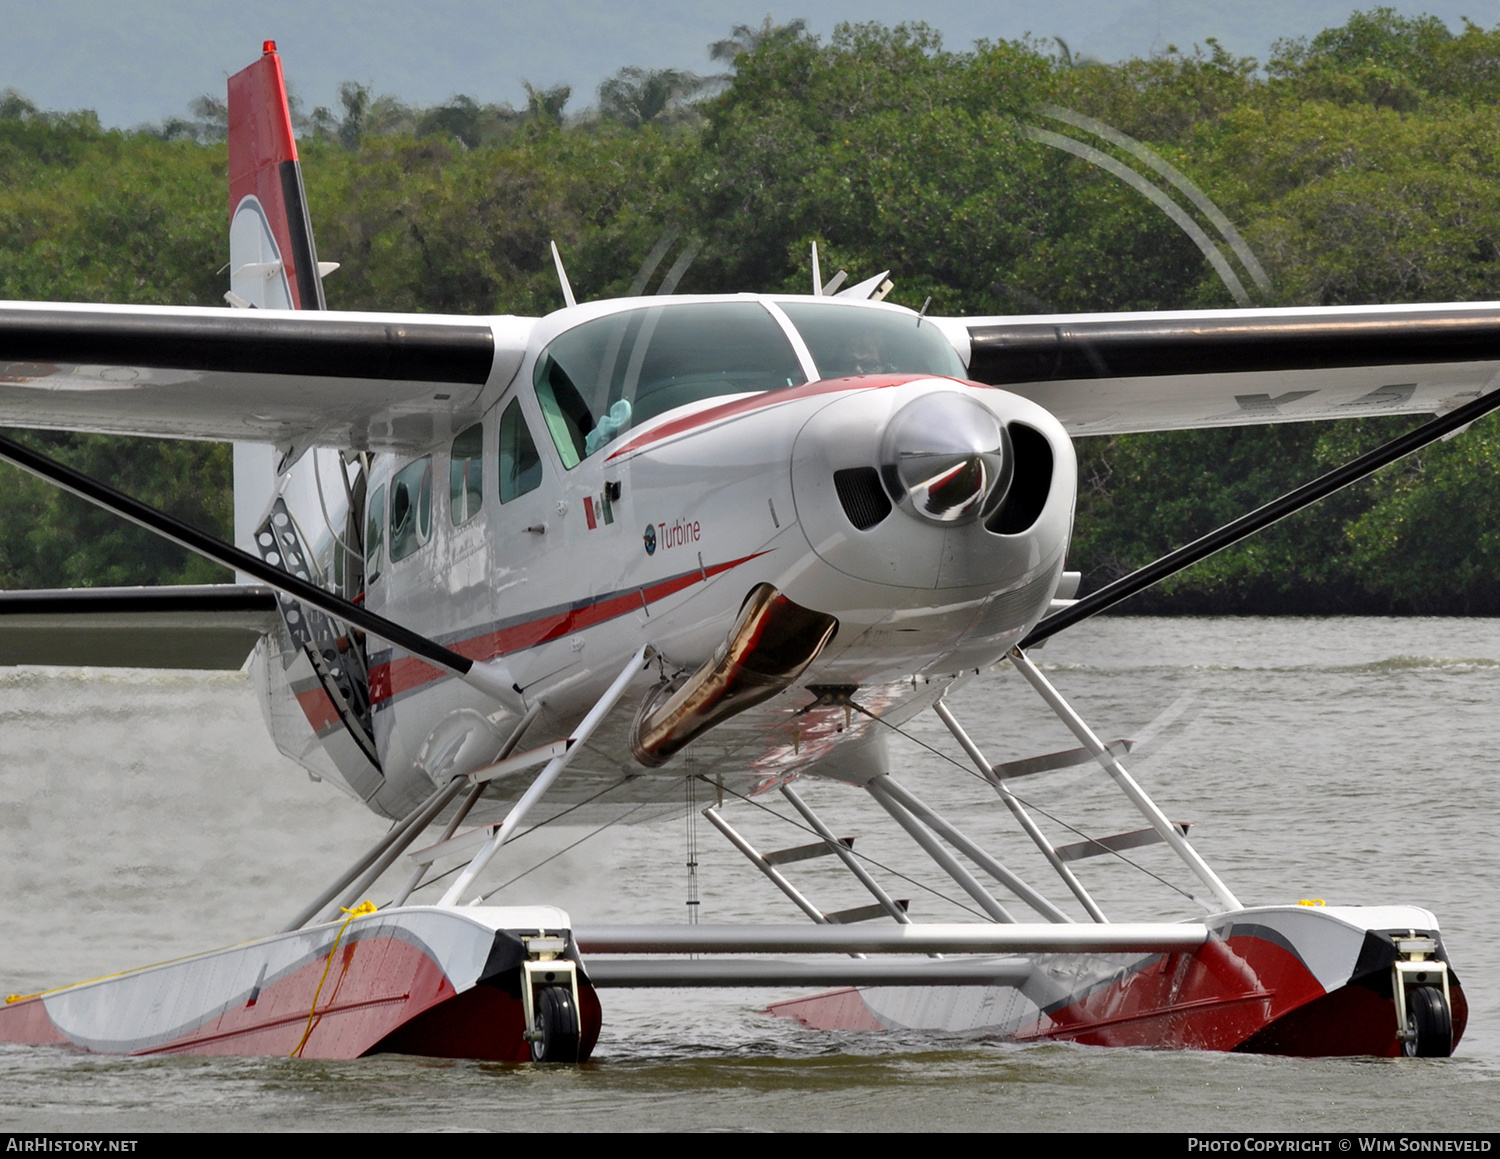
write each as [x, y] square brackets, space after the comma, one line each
[771, 644]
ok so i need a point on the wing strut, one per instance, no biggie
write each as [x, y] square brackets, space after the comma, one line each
[1262, 517]
[490, 678]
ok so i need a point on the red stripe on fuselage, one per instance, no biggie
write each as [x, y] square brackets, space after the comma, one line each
[759, 402]
[407, 672]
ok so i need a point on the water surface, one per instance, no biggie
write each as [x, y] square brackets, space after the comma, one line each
[147, 815]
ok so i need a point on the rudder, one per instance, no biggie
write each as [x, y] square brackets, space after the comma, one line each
[273, 261]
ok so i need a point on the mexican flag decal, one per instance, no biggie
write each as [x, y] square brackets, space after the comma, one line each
[597, 509]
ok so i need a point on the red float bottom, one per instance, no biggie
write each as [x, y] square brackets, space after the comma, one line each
[422, 981]
[1250, 990]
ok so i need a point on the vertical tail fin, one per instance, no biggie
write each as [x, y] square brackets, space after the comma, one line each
[273, 262]
[274, 265]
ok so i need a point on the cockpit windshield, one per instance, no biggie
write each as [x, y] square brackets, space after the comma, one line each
[849, 340]
[603, 377]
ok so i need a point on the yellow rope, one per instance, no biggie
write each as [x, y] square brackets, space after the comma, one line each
[57, 989]
[364, 907]
[106, 977]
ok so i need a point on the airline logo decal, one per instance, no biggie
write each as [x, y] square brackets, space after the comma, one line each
[678, 534]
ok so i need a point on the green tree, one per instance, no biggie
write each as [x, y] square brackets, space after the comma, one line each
[745, 38]
[1361, 167]
[546, 105]
[639, 96]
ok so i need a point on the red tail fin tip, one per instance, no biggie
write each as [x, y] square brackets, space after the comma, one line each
[273, 261]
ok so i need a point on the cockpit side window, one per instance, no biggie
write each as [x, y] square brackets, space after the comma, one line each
[566, 413]
[375, 535]
[600, 378]
[846, 341]
[520, 465]
[466, 474]
[411, 507]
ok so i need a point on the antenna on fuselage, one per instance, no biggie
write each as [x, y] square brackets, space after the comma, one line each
[819, 289]
[562, 276]
[871, 289]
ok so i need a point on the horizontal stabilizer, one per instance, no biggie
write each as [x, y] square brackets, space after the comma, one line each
[1117, 844]
[871, 289]
[200, 627]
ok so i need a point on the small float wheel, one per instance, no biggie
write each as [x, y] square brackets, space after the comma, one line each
[1429, 1023]
[557, 1032]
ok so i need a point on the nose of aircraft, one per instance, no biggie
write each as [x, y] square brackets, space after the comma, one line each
[946, 459]
[907, 484]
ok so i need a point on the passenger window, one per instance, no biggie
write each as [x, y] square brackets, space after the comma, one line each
[466, 475]
[520, 465]
[374, 535]
[411, 508]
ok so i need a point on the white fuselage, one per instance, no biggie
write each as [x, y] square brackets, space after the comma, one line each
[656, 537]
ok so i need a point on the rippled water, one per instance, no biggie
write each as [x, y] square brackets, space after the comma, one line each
[146, 815]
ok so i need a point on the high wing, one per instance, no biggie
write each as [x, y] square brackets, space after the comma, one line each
[383, 382]
[403, 382]
[1118, 373]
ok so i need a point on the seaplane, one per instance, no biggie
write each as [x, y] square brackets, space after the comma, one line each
[494, 571]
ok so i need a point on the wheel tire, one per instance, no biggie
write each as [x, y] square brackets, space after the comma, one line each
[1430, 1023]
[556, 1026]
